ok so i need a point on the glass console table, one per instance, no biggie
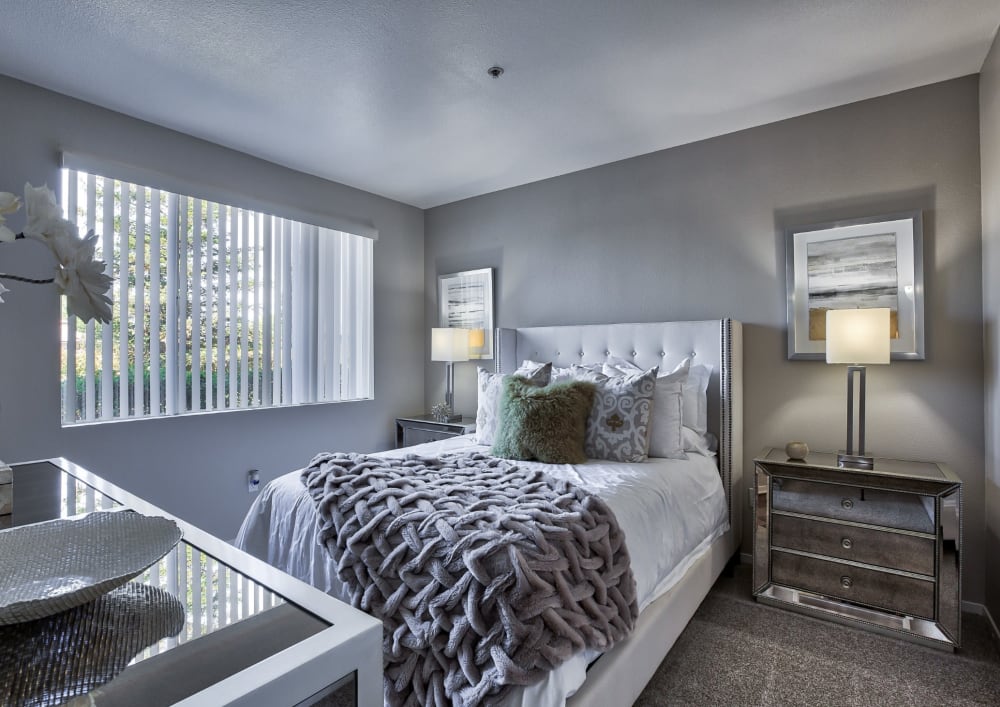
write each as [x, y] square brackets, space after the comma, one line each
[205, 625]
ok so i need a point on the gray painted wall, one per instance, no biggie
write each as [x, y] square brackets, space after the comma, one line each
[192, 466]
[989, 121]
[695, 232]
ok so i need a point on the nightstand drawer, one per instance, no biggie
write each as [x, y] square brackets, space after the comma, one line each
[424, 428]
[893, 592]
[910, 553]
[420, 435]
[890, 509]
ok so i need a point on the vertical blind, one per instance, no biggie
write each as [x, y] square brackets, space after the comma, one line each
[215, 308]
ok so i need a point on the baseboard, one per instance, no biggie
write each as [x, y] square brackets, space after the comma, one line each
[981, 610]
[992, 623]
[746, 558]
[971, 607]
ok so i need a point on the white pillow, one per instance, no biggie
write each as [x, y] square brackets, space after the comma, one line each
[490, 387]
[705, 444]
[567, 373]
[618, 366]
[696, 398]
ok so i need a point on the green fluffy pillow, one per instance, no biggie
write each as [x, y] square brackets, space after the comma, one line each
[544, 424]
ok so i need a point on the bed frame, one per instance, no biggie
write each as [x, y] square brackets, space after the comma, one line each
[619, 676]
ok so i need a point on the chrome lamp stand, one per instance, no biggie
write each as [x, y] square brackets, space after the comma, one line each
[449, 391]
[849, 458]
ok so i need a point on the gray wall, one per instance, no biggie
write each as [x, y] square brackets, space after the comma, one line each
[193, 466]
[989, 121]
[695, 232]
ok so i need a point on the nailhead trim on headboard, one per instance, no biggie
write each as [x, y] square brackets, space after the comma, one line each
[726, 403]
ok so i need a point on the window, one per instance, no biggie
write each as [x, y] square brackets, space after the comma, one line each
[215, 308]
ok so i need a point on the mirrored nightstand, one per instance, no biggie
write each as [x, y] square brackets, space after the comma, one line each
[878, 548]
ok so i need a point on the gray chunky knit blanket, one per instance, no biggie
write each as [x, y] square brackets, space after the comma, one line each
[485, 575]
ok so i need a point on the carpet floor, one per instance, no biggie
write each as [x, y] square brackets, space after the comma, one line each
[738, 652]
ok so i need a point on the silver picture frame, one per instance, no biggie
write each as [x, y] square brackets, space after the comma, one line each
[465, 299]
[858, 263]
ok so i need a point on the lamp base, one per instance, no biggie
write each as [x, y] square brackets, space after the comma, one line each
[855, 461]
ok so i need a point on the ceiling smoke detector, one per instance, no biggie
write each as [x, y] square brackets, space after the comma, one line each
[495, 71]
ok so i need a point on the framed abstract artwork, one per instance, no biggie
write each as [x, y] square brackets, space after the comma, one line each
[465, 300]
[862, 263]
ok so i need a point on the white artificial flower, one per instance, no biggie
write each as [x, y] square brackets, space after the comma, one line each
[41, 210]
[78, 275]
[82, 279]
[62, 237]
[3, 291]
[9, 203]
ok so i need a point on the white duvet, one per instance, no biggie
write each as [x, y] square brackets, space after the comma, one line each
[669, 509]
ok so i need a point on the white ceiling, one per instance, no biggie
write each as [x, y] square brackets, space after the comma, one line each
[392, 96]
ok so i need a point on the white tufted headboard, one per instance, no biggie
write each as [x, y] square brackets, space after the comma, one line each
[717, 342]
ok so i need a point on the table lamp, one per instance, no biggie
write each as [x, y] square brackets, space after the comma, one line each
[450, 345]
[857, 337]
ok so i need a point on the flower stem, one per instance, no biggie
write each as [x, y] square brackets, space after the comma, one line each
[32, 280]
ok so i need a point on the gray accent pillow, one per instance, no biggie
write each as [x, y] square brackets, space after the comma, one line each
[694, 392]
[490, 387]
[618, 425]
[666, 437]
[544, 424]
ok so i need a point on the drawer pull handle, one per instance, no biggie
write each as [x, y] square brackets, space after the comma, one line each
[846, 582]
[847, 503]
[847, 543]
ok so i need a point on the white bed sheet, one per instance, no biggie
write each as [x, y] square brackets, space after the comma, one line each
[669, 509]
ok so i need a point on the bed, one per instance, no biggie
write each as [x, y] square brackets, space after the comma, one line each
[673, 570]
